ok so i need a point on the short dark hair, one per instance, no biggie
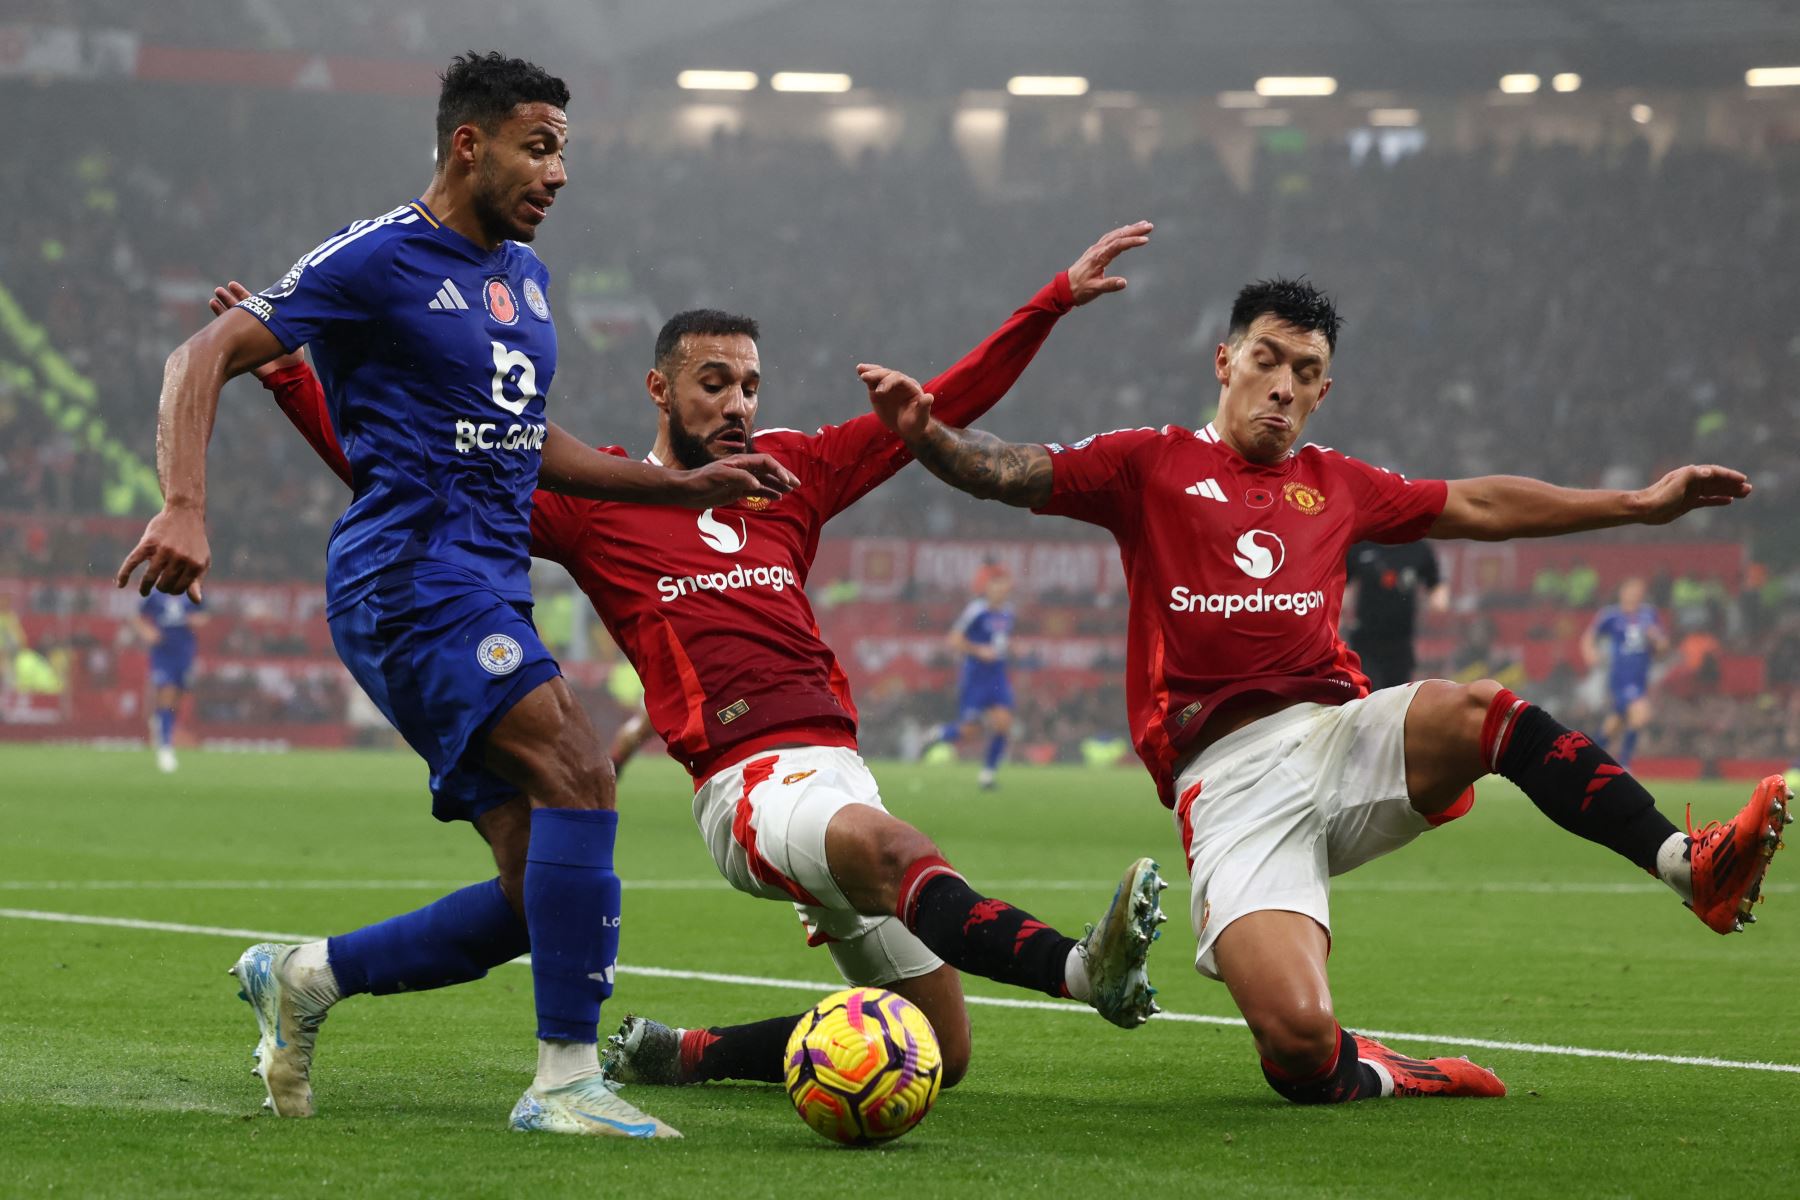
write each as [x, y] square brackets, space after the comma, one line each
[483, 89]
[701, 322]
[1295, 301]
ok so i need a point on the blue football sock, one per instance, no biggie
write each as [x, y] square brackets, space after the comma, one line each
[950, 732]
[454, 939]
[165, 727]
[572, 908]
[996, 750]
[1628, 748]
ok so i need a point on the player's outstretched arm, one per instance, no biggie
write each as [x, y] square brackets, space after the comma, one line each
[174, 551]
[967, 459]
[1494, 508]
[576, 469]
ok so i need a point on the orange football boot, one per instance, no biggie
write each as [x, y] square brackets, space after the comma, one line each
[1428, 1076]
[1729, 860]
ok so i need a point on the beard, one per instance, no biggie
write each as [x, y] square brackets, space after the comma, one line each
[692, 451]
[487, 201]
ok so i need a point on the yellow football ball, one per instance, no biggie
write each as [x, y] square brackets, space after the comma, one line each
[863, 1066]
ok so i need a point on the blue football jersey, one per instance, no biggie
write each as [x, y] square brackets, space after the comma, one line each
[171, 616]
[1627, 638]
[983, 625]
[435, 357]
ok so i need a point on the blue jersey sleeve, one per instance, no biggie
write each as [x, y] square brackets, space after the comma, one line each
[1606, 625]
[965, 620]
[336, 282]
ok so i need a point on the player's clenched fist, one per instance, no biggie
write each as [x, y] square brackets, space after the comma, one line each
[173, 552]
[897, 399]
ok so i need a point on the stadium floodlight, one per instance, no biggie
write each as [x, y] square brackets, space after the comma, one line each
[1643, 114]
[1296, 85]
[1241, 100]
[717, 81]
[1519, 85]
[1773, 77]
[809, 81]
[1395, 118]
[1566, 81]
[1047, 85]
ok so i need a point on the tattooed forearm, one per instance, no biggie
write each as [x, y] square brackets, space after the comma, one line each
[984, 466]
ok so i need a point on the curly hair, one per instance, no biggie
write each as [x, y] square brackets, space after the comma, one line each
[483, 89]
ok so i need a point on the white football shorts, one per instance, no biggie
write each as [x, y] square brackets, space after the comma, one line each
[764, 820]
[1268, 813]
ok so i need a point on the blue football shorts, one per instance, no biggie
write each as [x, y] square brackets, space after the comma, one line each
[444, 659]
[982, 692]
[1626, 692]
[171, 670]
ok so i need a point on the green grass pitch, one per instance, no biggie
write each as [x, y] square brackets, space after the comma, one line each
[124, 1053]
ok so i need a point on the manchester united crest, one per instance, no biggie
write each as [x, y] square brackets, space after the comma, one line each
[1305, 497]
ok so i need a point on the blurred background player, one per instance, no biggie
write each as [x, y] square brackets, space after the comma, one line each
[1386, 584]
[166, 625]
[984, 697]
[1627, 637]
[627, 691]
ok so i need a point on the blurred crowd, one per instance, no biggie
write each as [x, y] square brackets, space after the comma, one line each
[1587, 316]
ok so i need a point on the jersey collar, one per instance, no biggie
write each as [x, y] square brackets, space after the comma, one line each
[1211, 434]
[450, 235]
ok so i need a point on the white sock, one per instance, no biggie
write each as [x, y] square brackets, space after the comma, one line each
[1075, 976]
[1383, 1074]
[563, 1063]
[308, 971]
[1673, 867]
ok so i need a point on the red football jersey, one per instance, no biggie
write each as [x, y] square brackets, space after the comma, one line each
[1235, 570]
[708, 606]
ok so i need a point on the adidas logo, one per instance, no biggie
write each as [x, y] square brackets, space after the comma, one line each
[1209, 488]
[448, 299]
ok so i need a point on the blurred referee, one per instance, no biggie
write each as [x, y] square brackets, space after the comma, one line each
[1388, 583]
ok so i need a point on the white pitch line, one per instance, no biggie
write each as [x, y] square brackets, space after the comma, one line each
[1058, 1006]
[1397, 886]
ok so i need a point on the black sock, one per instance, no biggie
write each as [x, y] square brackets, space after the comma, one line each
[1572, 781]
[1345, 1077]
[751, 1052]
[979, 936]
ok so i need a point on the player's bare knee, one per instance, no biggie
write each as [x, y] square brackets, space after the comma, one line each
[897, 847]
[1298, 1038]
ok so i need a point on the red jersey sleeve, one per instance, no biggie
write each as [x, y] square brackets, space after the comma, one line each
[559, 523]
[296, 389]
[862, 453]
[1098, 478]
[1390, 508]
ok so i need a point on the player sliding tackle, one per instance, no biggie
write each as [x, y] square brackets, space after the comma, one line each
[711, 614]
[1280, 767]
[432, 334]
